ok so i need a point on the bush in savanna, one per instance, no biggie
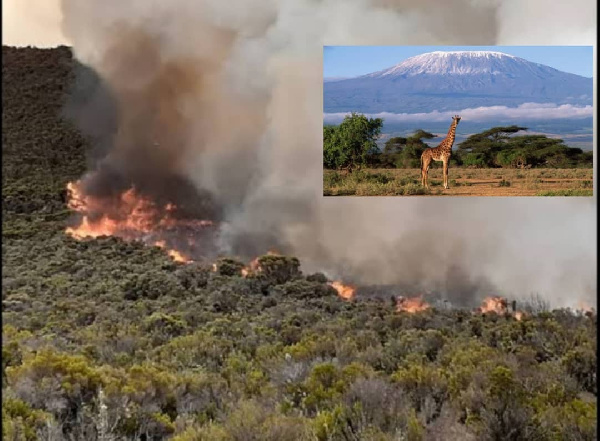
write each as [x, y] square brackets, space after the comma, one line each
[332, 178]
[21, 421]
[474, 160]
[150, 285]
[305, 289]
[227, 266]
[164, 326]
[505, 414]
[276, 269]
[193, 275]
[576, 420]
[58, 383]
[426, 386]
[348, 145]
[413, 189]
[581, 363]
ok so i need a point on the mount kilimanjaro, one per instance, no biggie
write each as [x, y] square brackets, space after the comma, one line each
[446, 81]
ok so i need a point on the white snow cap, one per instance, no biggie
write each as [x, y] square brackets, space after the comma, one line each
[454, 62]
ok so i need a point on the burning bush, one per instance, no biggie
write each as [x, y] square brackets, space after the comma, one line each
[346, 292]
[411, 304]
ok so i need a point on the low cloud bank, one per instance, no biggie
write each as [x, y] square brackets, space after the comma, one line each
[529, 111]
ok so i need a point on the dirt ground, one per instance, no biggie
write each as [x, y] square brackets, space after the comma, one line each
[462, 182]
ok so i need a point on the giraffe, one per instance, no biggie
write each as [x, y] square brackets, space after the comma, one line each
[440, 153]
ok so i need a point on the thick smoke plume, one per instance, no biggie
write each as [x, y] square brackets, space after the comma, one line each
[227, 97]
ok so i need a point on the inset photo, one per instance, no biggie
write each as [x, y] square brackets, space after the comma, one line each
[458, 120]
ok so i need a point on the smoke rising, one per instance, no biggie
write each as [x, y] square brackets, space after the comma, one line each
[227, 96]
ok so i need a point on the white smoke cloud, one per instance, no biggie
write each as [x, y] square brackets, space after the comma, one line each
[533, 22]
[529, 111]
[249, 129]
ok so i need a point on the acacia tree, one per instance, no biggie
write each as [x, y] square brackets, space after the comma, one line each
[349, 145]
[480, 149]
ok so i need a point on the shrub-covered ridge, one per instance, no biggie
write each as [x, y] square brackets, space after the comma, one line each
[104, 339]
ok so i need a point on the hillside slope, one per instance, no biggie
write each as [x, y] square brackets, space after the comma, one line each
[104, 339]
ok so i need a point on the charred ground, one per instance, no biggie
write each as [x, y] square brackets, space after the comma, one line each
[104, 338]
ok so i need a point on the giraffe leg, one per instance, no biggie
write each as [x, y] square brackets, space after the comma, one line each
[446, 174]
[425, 172]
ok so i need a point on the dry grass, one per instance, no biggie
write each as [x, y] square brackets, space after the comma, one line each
[462, 181]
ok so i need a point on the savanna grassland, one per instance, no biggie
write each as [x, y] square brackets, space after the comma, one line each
[462, 182]
[499, 161]
[108, 340]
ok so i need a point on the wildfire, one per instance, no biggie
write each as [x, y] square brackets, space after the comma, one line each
[254, 265]
[132, 216]
[344, 291]
[499, 305]
[173, 254]
[411, 304]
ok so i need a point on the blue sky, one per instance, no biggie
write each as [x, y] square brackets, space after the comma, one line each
[349, 61]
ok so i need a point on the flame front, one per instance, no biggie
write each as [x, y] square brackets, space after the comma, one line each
[130, 216]
[173, 254]
[411, 304]
[499, 305]
[344, 291]
[254, 266]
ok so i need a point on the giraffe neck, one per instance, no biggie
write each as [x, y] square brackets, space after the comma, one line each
[449, 140]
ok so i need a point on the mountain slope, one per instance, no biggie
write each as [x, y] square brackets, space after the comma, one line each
[456, 80]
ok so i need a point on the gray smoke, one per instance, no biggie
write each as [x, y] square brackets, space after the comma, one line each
[228, 95]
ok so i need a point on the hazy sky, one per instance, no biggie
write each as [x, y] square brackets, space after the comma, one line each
[348, 61]
[32, 23]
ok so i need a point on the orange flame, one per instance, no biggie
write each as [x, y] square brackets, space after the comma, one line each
[499, 305]
[173, 254]
[344, 291]
[129, 216]
[411, 304]
[254, 265]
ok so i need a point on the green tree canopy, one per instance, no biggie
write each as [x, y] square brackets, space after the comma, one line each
[350, 144]
[496, 148]
[401, 152]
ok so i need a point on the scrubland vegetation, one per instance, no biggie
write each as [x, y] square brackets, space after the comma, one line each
[109, 340]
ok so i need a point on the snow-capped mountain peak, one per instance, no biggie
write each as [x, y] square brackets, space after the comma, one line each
[456, 63]
[456, 80]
